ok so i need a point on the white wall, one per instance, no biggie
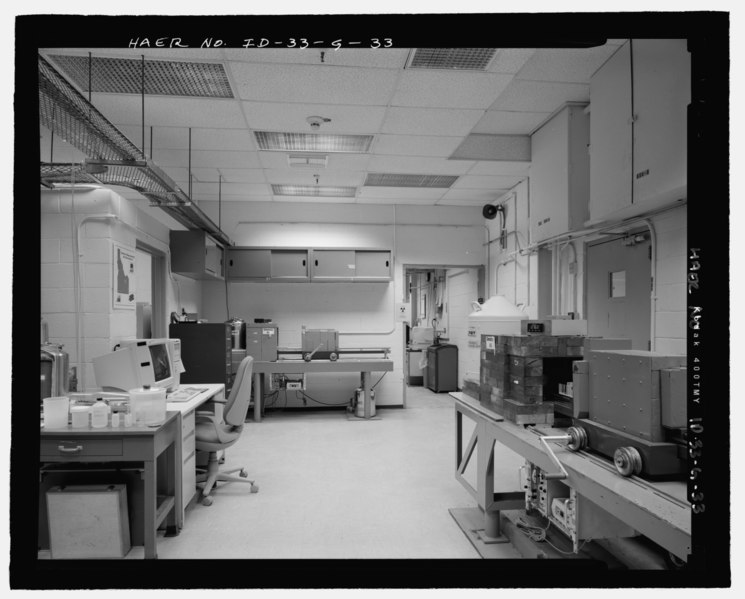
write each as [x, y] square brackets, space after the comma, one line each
[363, 313]
[98, 324]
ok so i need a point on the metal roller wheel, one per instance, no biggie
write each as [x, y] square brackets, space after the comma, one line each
[254, 488]
[333, 356]
[578, 438]
[307, 357]
[627, 460]
[243, 473]
[207, 500]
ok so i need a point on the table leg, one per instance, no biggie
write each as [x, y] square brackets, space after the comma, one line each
[174, 465]
[366, 392]
[151, 501]
[258, 395]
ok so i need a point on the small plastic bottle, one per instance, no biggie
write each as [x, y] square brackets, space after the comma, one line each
[99, 414]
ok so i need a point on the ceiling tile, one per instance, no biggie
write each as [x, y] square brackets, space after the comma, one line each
[397, 200]
[573, 65]
[290, 117]
[416, 165]
[421, 193]
[304, 176]
[415, 145]
[314, 84]
[464, 202]
[390, 58]
[169, 111]
[313, 199]
[495, 167]
[177, 138]
[207, 159]
[229, 189]
[510, 122]
[510, 60]
[476, 196]
[432, 121]
[539, 96]
[209, 199]
[443, 89]
[485, 182]
[229, 175]
[336, 161]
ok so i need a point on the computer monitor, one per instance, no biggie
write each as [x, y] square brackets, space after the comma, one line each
[136, 363]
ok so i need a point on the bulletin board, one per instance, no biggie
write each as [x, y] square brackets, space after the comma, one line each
[123, 277]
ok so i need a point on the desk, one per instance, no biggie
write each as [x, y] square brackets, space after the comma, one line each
[187, 453]
[133, 444]
[364, 366]
[658, 510]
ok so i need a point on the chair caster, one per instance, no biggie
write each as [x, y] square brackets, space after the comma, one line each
[254, 488]
[207, 500]
[243, 474]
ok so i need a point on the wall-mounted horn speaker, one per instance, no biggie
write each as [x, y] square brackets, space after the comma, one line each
[489, 211]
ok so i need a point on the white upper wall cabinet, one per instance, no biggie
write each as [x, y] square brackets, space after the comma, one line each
[638, 132]
[560, 174]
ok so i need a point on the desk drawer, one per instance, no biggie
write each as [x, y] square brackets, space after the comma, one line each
[73, 448]
[187, 424]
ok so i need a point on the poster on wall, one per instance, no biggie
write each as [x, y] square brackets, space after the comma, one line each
[124, 277]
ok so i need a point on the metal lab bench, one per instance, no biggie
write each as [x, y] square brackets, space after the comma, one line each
[657, 510]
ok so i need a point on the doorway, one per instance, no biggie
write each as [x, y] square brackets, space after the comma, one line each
[151, 306]
[619, 284]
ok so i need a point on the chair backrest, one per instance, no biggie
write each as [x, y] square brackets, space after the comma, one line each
[236, 407]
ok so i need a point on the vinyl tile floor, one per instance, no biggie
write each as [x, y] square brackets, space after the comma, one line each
[331, 487]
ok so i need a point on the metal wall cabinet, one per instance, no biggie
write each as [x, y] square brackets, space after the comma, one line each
[333, 265]
[560, 174]
[638, 132]
[248, 263]
[372, 265]
[314, 265]
[196, 255]
[289, 265]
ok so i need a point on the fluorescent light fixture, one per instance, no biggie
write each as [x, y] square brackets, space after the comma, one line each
[307, 160]
[401, 180]
[312, 142]
[465, 59]
[161, 77]
[319, 191]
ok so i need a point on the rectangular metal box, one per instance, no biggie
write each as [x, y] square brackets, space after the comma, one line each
[321, 341]
[88, 521]
[625, 390]
[205, 352]
[673, 400]
[261, 341]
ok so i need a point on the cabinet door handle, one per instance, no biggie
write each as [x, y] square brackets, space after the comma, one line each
[303, 262]
[316, 262]
[231, 262]
[63, 449]
[386, 263]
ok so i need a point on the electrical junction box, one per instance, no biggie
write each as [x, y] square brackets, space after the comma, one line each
[294, 385]
[290, 382]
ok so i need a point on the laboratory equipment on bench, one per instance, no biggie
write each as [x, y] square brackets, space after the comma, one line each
[237, 332]
[323, 344]
[139, 362]
[631, 407]
[206, 352]
[261, 341]
[55, 379]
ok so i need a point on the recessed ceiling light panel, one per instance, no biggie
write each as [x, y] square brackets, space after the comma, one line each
[402, 180]
[314, 191]
[312, 142]
[161, 77]
[466, 59]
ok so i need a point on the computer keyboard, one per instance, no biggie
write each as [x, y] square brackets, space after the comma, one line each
[184, 393]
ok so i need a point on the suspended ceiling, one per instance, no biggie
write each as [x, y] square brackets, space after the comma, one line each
[469, 128]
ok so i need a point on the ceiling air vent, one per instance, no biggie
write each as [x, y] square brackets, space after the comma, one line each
[319, 191]
[307, 160]
[398, 180]
[460, 59]
[312, 142]
[162, 77]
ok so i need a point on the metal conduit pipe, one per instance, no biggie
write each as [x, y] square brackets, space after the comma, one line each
[653, 294]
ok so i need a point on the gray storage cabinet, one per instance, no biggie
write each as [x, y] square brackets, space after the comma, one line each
[442, 368]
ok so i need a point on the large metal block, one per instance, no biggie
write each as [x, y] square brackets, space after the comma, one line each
[624, 391]
[581, 389]
[673, 397]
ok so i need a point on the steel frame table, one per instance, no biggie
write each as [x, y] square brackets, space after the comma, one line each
[365, 366]
[132, 444]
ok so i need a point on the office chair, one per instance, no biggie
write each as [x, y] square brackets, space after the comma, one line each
[213, 436]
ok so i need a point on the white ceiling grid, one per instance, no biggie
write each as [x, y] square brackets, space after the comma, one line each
[417, 117]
